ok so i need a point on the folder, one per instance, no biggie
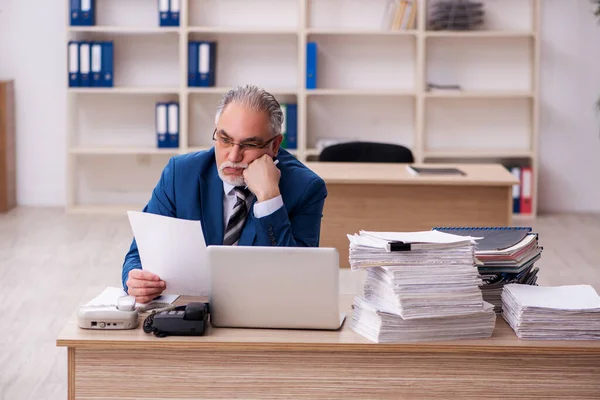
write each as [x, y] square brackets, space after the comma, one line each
[526, 190]
[75, 12]
[161, 125]
[516, 193]
[311, 65]
[163, 12]
[174, 13]
[73, 64]
[192, 64]
[88, 13]
[495, 238]
[206, 63]
[284, 125]
[291, 126]
[96, 64]
[107, 64]
[84, 64]
[173, 125]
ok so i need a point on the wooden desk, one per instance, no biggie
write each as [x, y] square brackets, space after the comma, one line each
[387, 197]
[251, 363]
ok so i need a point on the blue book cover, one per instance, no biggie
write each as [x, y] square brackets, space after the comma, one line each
[162, 125]
[291, 126]
[96, 64]
[163, 13]
[88, 13]
[107, 64]
[311, 65]
[207, 55]
[174, 13]
[192, 64]
[74, 64]
[85, 59]
[75, 12]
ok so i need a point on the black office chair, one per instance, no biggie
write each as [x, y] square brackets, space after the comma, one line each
[367, 152]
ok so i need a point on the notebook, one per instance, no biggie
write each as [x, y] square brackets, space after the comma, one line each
[435, 171]
[494, 237]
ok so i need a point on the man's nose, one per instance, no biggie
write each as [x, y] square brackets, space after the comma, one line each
[235, 154]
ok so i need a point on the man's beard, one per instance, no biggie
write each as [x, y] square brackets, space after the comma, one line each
[233, 180]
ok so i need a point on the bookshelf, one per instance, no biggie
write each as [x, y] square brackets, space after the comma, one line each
[372, 85]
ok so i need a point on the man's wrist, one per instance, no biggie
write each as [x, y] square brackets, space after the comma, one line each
[267, 194]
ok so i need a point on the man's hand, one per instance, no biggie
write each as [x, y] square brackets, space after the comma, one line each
[262, 178]
[144, 285]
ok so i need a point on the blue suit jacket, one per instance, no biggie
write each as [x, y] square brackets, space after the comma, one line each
[190, 188]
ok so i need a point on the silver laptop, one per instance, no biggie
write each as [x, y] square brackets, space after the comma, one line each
[274, 287]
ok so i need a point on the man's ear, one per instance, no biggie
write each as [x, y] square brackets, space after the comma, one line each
[277, 144]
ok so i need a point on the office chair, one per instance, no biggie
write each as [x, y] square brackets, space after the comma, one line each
[367, 152]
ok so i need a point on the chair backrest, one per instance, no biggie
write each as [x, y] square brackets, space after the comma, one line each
[367, 152]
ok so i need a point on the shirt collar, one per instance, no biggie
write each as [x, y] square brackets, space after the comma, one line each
[227, 188]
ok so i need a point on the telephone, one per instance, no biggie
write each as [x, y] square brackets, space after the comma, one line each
[188, 320]
[122, 316]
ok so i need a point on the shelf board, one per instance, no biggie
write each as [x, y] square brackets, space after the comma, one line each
[125, 29]
[124, 90]
[241, 31]
[359, 92]
[479, 153]
[478, 94]
[358, 32]
[224, 89]
[480, 34]
[122, 151]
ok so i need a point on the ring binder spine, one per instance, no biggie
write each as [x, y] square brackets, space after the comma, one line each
[482, 228]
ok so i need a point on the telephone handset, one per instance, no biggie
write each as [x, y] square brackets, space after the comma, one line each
[188, 320]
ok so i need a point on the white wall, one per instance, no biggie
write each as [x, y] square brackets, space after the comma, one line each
[32, 52]
[569, 86]
[569, 178]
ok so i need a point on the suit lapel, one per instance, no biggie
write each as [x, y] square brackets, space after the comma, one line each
[211, 202]
[249, 231]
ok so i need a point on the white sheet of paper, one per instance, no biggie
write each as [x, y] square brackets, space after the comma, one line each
[110, 297]
[174, 249]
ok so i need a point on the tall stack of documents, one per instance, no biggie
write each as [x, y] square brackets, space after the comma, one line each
[555, 312]
[418, 286]
[504, 255]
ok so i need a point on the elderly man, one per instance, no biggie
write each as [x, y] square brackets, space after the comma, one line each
[241, 195]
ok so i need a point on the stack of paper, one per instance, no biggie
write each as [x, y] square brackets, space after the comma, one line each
[427, 278]
[559, 312]
[386, 327]
[504, 255]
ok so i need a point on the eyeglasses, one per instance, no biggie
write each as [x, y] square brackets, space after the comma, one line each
[226, 142]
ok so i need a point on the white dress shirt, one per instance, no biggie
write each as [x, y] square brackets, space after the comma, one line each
[261, 209]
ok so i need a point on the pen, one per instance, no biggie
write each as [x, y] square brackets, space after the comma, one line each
[276, 162]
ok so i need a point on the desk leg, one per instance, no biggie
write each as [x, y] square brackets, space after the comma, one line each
[71, 373]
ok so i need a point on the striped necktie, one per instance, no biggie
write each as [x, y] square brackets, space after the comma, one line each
[238, 217]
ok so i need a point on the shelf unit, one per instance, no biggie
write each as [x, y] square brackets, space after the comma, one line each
[371, 85]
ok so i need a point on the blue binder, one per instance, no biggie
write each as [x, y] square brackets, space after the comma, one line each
[163, 13]
[174, 12]
[96, 64]
[192, 64]
[161, 125]
[84, 64]
[75, 12]
[311, 65]
[107, 64]
[291, 126]
[173, 125]
[207, 55]
[73, 64]
[88, 13]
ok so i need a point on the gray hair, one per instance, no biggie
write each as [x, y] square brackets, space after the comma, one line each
[256, 99]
